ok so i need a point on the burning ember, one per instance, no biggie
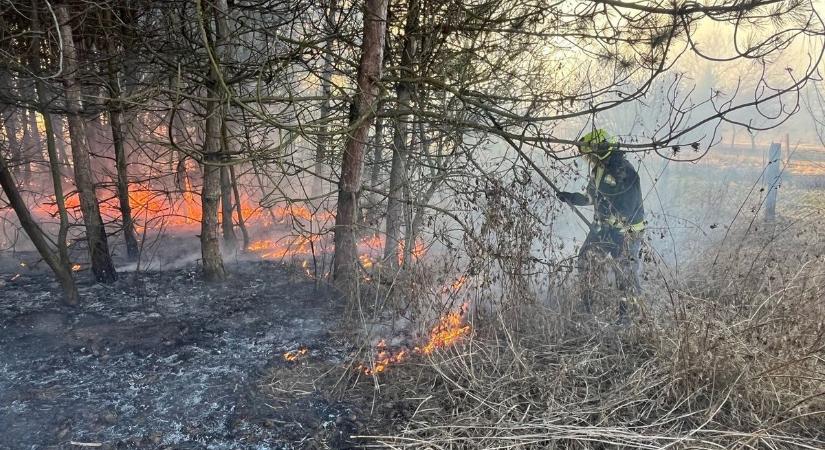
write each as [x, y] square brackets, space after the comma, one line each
[294, 355]
[75, 267]
[449, 330]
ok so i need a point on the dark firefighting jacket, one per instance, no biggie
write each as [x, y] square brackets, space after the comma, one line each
[615, 192]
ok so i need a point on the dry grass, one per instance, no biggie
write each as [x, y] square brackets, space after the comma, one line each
[732, 356]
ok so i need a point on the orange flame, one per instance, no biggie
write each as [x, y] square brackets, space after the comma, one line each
[455, 286]
[449, 330]
[155, 205]
[366, 261]
[75, 267]
[299, 245]
[446, 332]
[294, 355]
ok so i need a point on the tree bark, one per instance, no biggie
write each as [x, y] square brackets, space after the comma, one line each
[60, 142]
[377, 154]
[230, 241]
[322, 146]
[102, 266]
[213, 269]
[121, 162]
[36, 235]
[362, 110]
[9, 114]
[398, 170]
[58, 259]
[241, 222]
[32, 143]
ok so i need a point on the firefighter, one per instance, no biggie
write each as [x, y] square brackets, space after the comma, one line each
[618, 222]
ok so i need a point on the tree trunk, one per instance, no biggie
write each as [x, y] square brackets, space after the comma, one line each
[94, 133]
[398, 171]
[10, 125]
[31, 135]
[102, 266]
[223, 55]
[322, 146]
[60, 142]
[377, 154]
[63, 272]
[36, 147]
[230, 241]
[8, 114]
[32, 229]
[241, 222]
[213, 269]
[121, 162]
[361, 111]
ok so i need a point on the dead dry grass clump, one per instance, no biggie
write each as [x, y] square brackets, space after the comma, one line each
[736, 361]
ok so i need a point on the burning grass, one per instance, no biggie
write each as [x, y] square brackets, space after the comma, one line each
[731, 357]
[448, 331]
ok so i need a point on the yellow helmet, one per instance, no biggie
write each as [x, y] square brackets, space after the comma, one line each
[598, 143]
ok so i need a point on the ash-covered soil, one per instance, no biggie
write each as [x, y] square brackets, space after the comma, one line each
[163, 360]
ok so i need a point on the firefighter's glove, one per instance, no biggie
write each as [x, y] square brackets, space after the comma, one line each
[566, 197]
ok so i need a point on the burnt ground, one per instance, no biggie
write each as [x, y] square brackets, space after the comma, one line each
[162, 360]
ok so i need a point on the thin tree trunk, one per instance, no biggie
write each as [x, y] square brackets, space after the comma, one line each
[36, 235]
[11, 125]
[64, 272]
[222, 54]
[322, 146]
[230, 241]
[362, 110]
[94, 131]
[60, 142]
[31, 135]
[121, 162]
[377, 157]
[102, 266]
[36, 148]
[398, 170]
[241, 222]
[213, 269]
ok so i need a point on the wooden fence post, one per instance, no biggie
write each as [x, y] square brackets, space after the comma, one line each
[772, 176]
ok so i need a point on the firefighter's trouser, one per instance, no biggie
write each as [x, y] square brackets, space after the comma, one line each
[611, 247]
